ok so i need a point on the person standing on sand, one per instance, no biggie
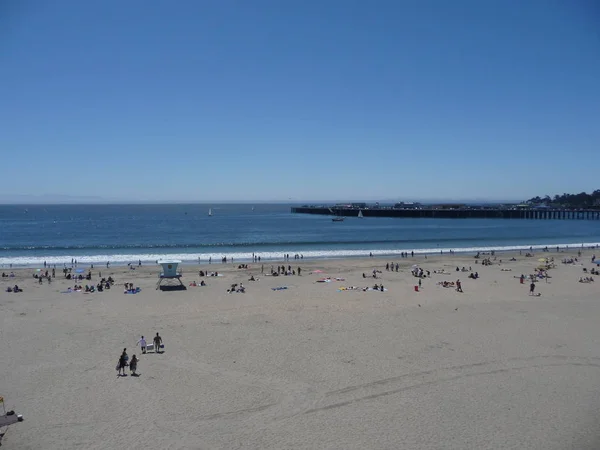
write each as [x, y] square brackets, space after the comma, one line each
[142, 344]
[157, 343]
[458, 286]
[122, 363]
[531, 288]
[133, 366]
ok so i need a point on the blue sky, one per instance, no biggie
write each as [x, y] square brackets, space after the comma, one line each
[271, 100]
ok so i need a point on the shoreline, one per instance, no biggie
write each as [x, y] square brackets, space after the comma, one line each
[99, 262]
[187, 259]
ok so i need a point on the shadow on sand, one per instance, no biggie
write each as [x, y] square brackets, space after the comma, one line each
[172, 288]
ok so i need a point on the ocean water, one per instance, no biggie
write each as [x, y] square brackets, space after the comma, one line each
[30, 235]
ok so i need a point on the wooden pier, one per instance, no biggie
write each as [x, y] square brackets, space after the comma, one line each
[461, 213]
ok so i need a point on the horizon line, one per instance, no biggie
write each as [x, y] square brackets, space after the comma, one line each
[244, 202]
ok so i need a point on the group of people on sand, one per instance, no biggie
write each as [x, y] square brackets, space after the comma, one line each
[237, 288]
[418, 272]
[16, 288]
[100, 287]
[130, 289]
[452, 284]
[282, 270]
[202, 273]
[391, 266]
[40, 276]
[586, 279]
[124, 361]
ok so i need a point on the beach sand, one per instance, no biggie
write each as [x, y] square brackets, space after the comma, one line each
[308, 367]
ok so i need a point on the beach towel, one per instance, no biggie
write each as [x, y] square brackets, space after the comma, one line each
[135, 291]
[279, 288]
[8, 419]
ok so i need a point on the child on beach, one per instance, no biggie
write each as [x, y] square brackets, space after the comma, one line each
[142, 344]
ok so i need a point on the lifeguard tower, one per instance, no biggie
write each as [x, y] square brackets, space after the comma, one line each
[170, 276]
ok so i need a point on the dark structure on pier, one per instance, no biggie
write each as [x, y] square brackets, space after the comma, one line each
[453, 213]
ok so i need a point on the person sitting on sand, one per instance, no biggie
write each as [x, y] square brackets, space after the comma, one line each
[133, 366]
[202, 283]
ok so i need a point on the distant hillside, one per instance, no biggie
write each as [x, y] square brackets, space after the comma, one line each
[582, 200]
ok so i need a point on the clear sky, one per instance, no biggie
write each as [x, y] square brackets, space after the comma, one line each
[275, 99]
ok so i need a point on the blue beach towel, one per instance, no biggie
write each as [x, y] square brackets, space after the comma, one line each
[135, 291]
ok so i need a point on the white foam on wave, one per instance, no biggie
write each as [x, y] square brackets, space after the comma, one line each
[124, 259]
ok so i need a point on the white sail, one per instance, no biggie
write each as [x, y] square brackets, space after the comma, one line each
[360, 214]
[210, 211]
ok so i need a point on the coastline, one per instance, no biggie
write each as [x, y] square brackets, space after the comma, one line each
[271, 256]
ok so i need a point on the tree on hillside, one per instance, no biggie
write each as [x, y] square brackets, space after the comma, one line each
[581, 200]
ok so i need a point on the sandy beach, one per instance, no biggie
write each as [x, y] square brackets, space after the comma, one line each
[310, 366]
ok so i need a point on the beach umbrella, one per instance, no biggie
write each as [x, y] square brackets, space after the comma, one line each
[38, 270]
[542, 260]
[416, 266]
[80, 271]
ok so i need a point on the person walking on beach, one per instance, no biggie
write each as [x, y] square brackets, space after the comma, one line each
[122, 363]
[142, 344]
[133, 366]
[531, 288]
[458, 286]
[157, 343]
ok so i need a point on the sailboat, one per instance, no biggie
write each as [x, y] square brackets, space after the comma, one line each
[209, 212]
[360, 214]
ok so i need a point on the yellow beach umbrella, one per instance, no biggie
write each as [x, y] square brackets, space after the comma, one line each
[542, 260]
